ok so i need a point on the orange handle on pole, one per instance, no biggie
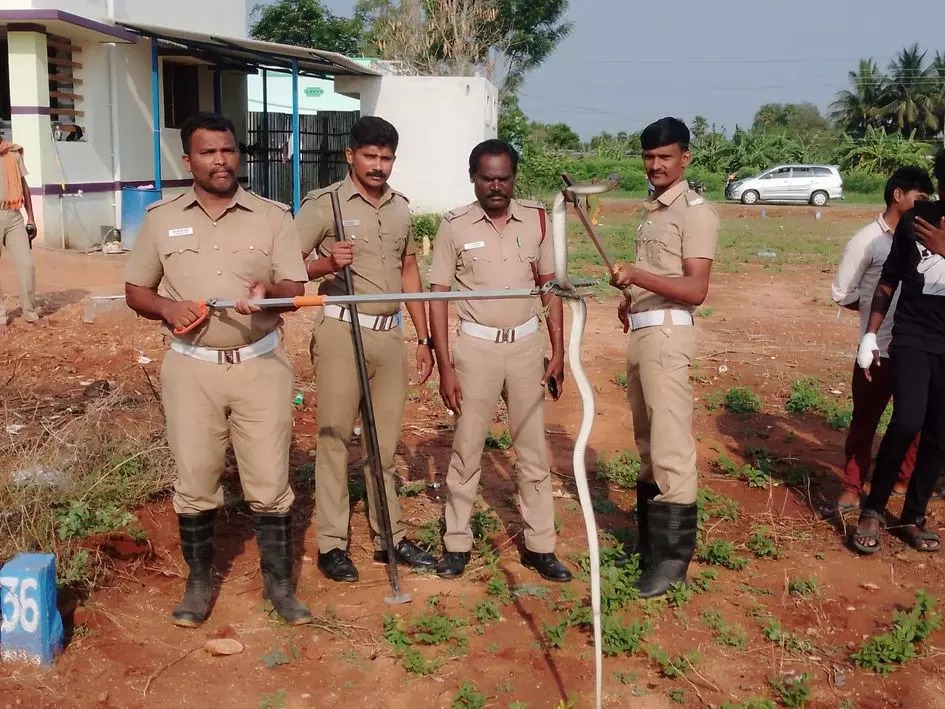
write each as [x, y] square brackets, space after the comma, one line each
[303, 301]
[204, 313]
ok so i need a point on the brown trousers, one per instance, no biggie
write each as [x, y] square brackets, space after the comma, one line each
[339, 400]
[15, 241]
[660, 396]
[487, 370]
[250, 402]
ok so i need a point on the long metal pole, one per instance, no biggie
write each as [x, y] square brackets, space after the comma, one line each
[267, 186]
[156, 111]
[370, 425]
[296, 141]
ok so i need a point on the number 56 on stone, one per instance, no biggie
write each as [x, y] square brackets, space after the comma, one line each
[30, 624]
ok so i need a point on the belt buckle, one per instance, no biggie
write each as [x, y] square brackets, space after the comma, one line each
[506, 336]
[229, 356]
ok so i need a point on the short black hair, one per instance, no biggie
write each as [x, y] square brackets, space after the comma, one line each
[374, 130]
[203, 121]
[908, 178]
[938, 169]
[492, 147]
[665, 131]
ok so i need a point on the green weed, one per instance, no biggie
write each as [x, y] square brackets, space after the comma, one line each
[793, 691]
[883, 653]
[502, 441]
[721, 553]
[741, 400]
[622, 469]
[762, 545]
[468, 698]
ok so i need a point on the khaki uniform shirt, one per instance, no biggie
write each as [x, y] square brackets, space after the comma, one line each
[381, 237]
[193, 257]
[678, 225]
[469, 249]
[3, 177]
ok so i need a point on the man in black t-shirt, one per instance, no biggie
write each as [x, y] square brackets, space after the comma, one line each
[916, 262]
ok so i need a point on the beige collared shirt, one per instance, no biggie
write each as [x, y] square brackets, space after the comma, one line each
[193, 257]
[472, 251]
[858, 273]
[381, 237]
[678, 225]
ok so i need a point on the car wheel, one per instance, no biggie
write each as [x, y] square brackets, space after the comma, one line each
[819, 199]
[749, 197]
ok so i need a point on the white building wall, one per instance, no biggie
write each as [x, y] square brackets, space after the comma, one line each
[227, 18]
[440, 120]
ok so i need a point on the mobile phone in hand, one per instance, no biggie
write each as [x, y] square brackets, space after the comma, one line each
[552, 385]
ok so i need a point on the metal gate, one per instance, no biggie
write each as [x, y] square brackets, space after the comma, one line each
[323, 138]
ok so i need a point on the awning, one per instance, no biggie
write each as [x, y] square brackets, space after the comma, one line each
[251, 54]
[64, 24]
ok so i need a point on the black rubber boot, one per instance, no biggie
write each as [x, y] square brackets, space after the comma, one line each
[671, 532]
[274, 537]
[646, 491]
[196, 543]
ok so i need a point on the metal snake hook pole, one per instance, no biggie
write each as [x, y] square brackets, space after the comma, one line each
[578, 319]
[370, 426]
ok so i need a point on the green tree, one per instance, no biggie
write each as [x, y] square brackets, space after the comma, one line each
[556, 136]
[306, 23]
[532, 30]
[793, 119]
[909, 94]
[856, 109]
[699, 127]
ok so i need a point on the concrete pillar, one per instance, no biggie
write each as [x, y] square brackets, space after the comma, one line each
[29, 102]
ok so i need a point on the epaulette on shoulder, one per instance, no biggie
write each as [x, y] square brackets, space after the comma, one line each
[401, 195]
[458, 212]
[694, 199]
[282, 207]
[315, 194]
[162, 202]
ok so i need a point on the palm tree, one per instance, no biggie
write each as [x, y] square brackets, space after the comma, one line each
[937, 70]
[909, 94]
[856, 109]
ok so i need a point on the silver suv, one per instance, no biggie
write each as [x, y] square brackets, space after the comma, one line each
[814, 184]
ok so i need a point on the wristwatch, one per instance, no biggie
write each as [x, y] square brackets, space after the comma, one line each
[425, 341]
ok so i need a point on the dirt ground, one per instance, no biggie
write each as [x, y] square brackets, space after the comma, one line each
[765, 329]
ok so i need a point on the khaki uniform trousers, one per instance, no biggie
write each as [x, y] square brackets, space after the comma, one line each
[252, 402]
[660, 395]
[15, 241]
[487, 370]
[339, 402]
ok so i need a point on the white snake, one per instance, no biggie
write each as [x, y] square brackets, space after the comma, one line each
[578, 320]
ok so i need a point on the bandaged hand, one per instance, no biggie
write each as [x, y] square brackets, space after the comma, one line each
[868, 353]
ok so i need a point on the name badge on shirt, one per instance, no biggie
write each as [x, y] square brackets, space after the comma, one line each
[474, 245]
[186, 231]
[351, 222]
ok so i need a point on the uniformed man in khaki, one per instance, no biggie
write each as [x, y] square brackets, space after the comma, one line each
[675, 249]
[497, 242]
[16, 237]
[382, 258]
[228, 376]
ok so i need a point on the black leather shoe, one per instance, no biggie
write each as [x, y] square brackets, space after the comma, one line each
[452, 565]
[547, 565]
[337, 566]
[408, 554]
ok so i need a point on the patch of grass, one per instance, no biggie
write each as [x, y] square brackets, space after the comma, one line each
[554, 634]
[755, 477]
[672, 667]
[622, 469]
[839, 417]
[412, 489]
[484, 523]
[793, 691]
[274, 700]
[604, 507]
[721, 553]
[713, 400]
[499, 589]
[762, 545]
[620, 379]
[711, 505]
[790, 642]
[501, 442]
[742, 400]
[806, 397]
[677, 695]
[884, 652]
[424, 631]
[803, 587]
[725, 634]
[618, 638]
[704, 311]
[753, 703]
[486, 612]
[679, 594]
[103, 457]
[274, 658]
[468, 698]
[702, 583]
[527, 590]
[430, 536]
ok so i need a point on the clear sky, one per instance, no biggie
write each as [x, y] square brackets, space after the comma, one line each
[628, 62]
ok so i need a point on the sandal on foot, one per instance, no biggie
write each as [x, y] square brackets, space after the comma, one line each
[831, 510]
[920, 538]
[861, 536]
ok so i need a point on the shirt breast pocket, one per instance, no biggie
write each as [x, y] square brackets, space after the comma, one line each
[252, 261]
[478, 263]
[181, 256]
